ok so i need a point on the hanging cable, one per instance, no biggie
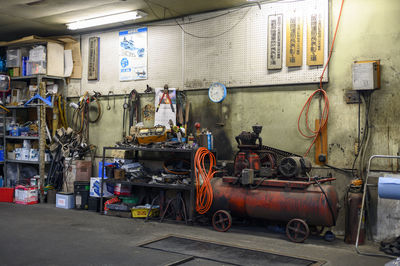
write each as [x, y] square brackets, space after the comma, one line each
[204, 190]
[216, 35]
[325, 114]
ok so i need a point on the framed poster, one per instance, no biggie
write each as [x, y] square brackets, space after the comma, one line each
[133, 54]
[275, 27]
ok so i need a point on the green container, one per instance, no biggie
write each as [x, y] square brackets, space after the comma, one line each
[130, 200]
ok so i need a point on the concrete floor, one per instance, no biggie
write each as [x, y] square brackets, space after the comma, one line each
[44, 235]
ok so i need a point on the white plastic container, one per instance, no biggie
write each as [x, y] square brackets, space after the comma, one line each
[65, 200]
[13, 58]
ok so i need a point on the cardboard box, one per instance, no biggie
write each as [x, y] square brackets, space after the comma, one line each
[108, 190]
[26, 195]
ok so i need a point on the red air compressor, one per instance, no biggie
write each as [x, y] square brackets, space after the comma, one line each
[274, 185]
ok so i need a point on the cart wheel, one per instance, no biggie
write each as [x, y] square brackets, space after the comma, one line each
[297, 230]
[222, 220]
[316, 230]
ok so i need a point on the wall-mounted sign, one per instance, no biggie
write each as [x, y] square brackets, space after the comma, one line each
[294, 41]
[93, 60]
[275, 28]
[315, 39]
[133, 54]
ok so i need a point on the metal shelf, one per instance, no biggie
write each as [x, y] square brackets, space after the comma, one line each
[26, 107]
[139, 148]
[43, 76]
[21, 137]
[23, 161]
[141, 184]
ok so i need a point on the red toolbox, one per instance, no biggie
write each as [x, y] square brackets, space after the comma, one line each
[6, 194]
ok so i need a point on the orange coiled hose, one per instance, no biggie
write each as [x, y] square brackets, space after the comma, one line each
[204, 189]
[325, 113]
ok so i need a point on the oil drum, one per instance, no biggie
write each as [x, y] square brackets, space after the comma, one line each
[277, 203]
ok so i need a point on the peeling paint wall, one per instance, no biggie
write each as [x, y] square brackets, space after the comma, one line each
[369, 29]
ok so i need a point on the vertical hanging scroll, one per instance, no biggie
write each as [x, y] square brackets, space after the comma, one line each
[93, 60]
[275, 27]
[315, 39]
[294, 40]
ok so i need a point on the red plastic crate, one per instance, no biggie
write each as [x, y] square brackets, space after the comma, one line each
[6, 194]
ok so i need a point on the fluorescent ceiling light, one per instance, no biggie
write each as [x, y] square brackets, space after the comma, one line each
[92, 22]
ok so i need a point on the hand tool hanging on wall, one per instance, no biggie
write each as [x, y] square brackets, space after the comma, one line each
[180, 102]
[165, 94]
[95, 98]
[187, 109]
[61, 111]
[108, 100]
[134, 108]
[125, 106]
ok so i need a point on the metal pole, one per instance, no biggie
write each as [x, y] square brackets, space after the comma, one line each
[363, 205]
[42, 137]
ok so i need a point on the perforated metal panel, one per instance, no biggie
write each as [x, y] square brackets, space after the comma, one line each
[164, 62]
[236, 58]
[239, 57]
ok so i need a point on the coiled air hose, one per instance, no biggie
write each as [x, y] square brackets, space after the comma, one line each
[204, 190]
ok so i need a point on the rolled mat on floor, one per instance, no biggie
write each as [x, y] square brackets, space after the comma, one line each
[389, 187]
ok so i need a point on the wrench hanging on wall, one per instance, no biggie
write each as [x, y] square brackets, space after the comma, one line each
[134, 108]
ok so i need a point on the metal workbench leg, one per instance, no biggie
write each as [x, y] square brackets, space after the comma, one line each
[363, 206]
[102, 181]
[192, 190]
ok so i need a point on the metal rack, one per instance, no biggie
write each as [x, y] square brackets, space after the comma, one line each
[363, 206]
[41, 137]
[190, 188]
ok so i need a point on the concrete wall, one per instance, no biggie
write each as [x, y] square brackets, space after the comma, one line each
[369, 29]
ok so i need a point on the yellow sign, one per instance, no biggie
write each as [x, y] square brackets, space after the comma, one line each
[294, 41]
[315, 39]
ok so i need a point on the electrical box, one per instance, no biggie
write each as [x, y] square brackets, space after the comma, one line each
[366, 75]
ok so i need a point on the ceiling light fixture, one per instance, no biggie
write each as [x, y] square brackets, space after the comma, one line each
[93, 22]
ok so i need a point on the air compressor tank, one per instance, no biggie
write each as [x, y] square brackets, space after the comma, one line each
[277, 203]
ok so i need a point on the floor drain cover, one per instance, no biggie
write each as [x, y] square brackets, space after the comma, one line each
[203, 253]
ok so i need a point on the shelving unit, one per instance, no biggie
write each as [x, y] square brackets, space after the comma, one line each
[190, 188]
[41, 138]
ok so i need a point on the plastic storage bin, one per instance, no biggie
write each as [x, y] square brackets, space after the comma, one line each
[94, 204]
[13, 58]
[65, 200]
[6, 194]
[142, 211]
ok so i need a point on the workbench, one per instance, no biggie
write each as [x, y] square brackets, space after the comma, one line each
[187, 153]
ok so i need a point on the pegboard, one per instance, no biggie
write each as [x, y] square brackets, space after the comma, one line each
[239, 57]
[164, 62]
